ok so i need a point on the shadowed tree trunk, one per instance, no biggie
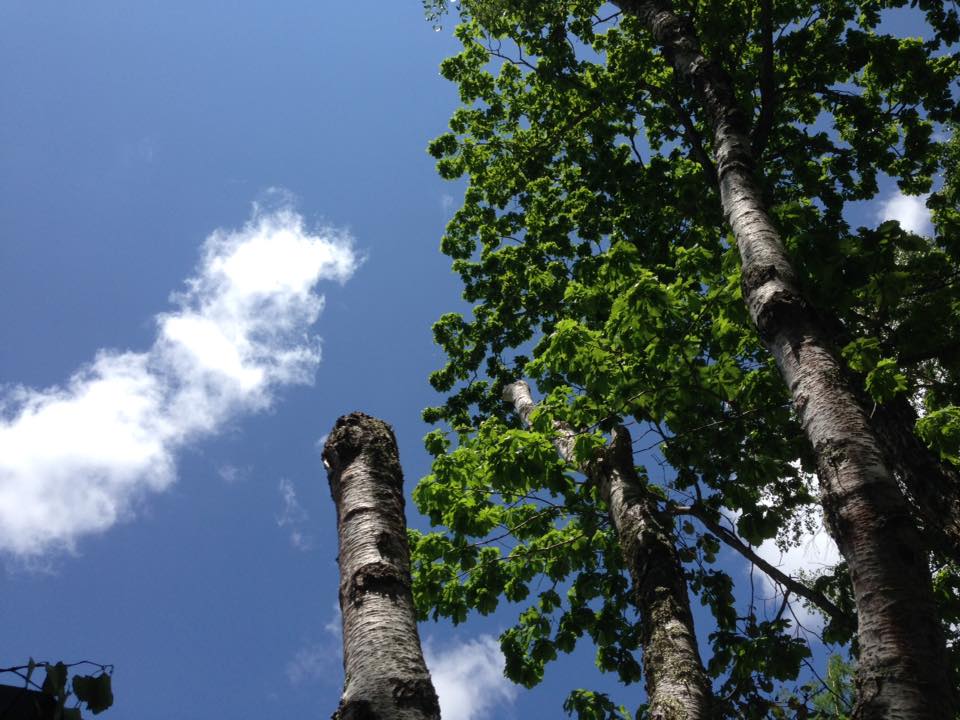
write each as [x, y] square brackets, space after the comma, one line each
[677, 684]
[902, 668]
[385, 675]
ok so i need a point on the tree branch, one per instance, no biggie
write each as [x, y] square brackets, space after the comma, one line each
[791, 585]
[766, 81]
[693, 137]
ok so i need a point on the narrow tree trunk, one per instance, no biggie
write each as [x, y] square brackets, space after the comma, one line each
[677, 684]
[902, 665]
[385, 675]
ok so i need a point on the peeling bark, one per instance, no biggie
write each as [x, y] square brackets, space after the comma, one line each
[902, 664]
[385, 675]
[677, 684]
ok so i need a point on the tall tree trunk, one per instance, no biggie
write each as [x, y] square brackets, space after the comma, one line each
[385, 675]
[677, 684]
[902, 664]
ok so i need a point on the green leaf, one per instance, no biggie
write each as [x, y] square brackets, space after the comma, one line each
[940, 430]
[885, 381]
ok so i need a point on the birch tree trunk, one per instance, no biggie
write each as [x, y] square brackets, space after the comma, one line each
[385, 675]
[902, 665]
[677, 684]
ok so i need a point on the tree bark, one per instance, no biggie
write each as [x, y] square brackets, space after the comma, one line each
[385, 674]
[677, 684]
[902, 665]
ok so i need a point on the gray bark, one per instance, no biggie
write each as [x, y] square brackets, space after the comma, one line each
[902, 666]
[385, 674]
[677, 684]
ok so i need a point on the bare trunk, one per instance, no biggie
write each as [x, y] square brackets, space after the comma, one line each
[902, 664]
[385, 675]
[677, 684]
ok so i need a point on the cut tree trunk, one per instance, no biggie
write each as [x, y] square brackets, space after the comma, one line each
[386, 677]
[677, 684]
[902, 668]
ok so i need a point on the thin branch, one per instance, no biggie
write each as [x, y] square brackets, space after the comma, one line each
[692, 136]
[767, 83]
[735, 543]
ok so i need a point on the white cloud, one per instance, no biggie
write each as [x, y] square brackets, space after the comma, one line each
[910, 210]
[75, 459]
[335, 625]
[811, 553]
[291, 512]
[293, 515]
[231, 474]
[814, 553]
[468, 678]
[320, 661]
[311, 663]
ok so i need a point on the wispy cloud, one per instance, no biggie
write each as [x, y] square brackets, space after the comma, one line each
[319, 661]
[335, 625]
[910, 210]
[232, 474]
[76, 458]
[814, 552]
[468, 678]
[292, 515]
[809, 552]
[311, 663]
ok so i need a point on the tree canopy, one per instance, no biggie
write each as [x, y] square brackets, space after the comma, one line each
[602, 252]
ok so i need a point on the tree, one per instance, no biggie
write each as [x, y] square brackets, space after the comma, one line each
[626, 270]
[385, 674]
[677, 683]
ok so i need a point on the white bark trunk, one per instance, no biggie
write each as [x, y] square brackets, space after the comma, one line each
[385, 675]
[677, 684]
[902, 666]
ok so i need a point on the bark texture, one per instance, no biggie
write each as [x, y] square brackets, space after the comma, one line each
[902, 665]
[677, 684]
[385, 674]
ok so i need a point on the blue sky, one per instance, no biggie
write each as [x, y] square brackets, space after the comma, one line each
[164, 167]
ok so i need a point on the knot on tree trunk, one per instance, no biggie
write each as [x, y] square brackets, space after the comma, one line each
[356, 434]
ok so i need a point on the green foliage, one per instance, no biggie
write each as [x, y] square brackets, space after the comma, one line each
[589, 705]
[940, 429]
[594, 255]
[833, 699]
